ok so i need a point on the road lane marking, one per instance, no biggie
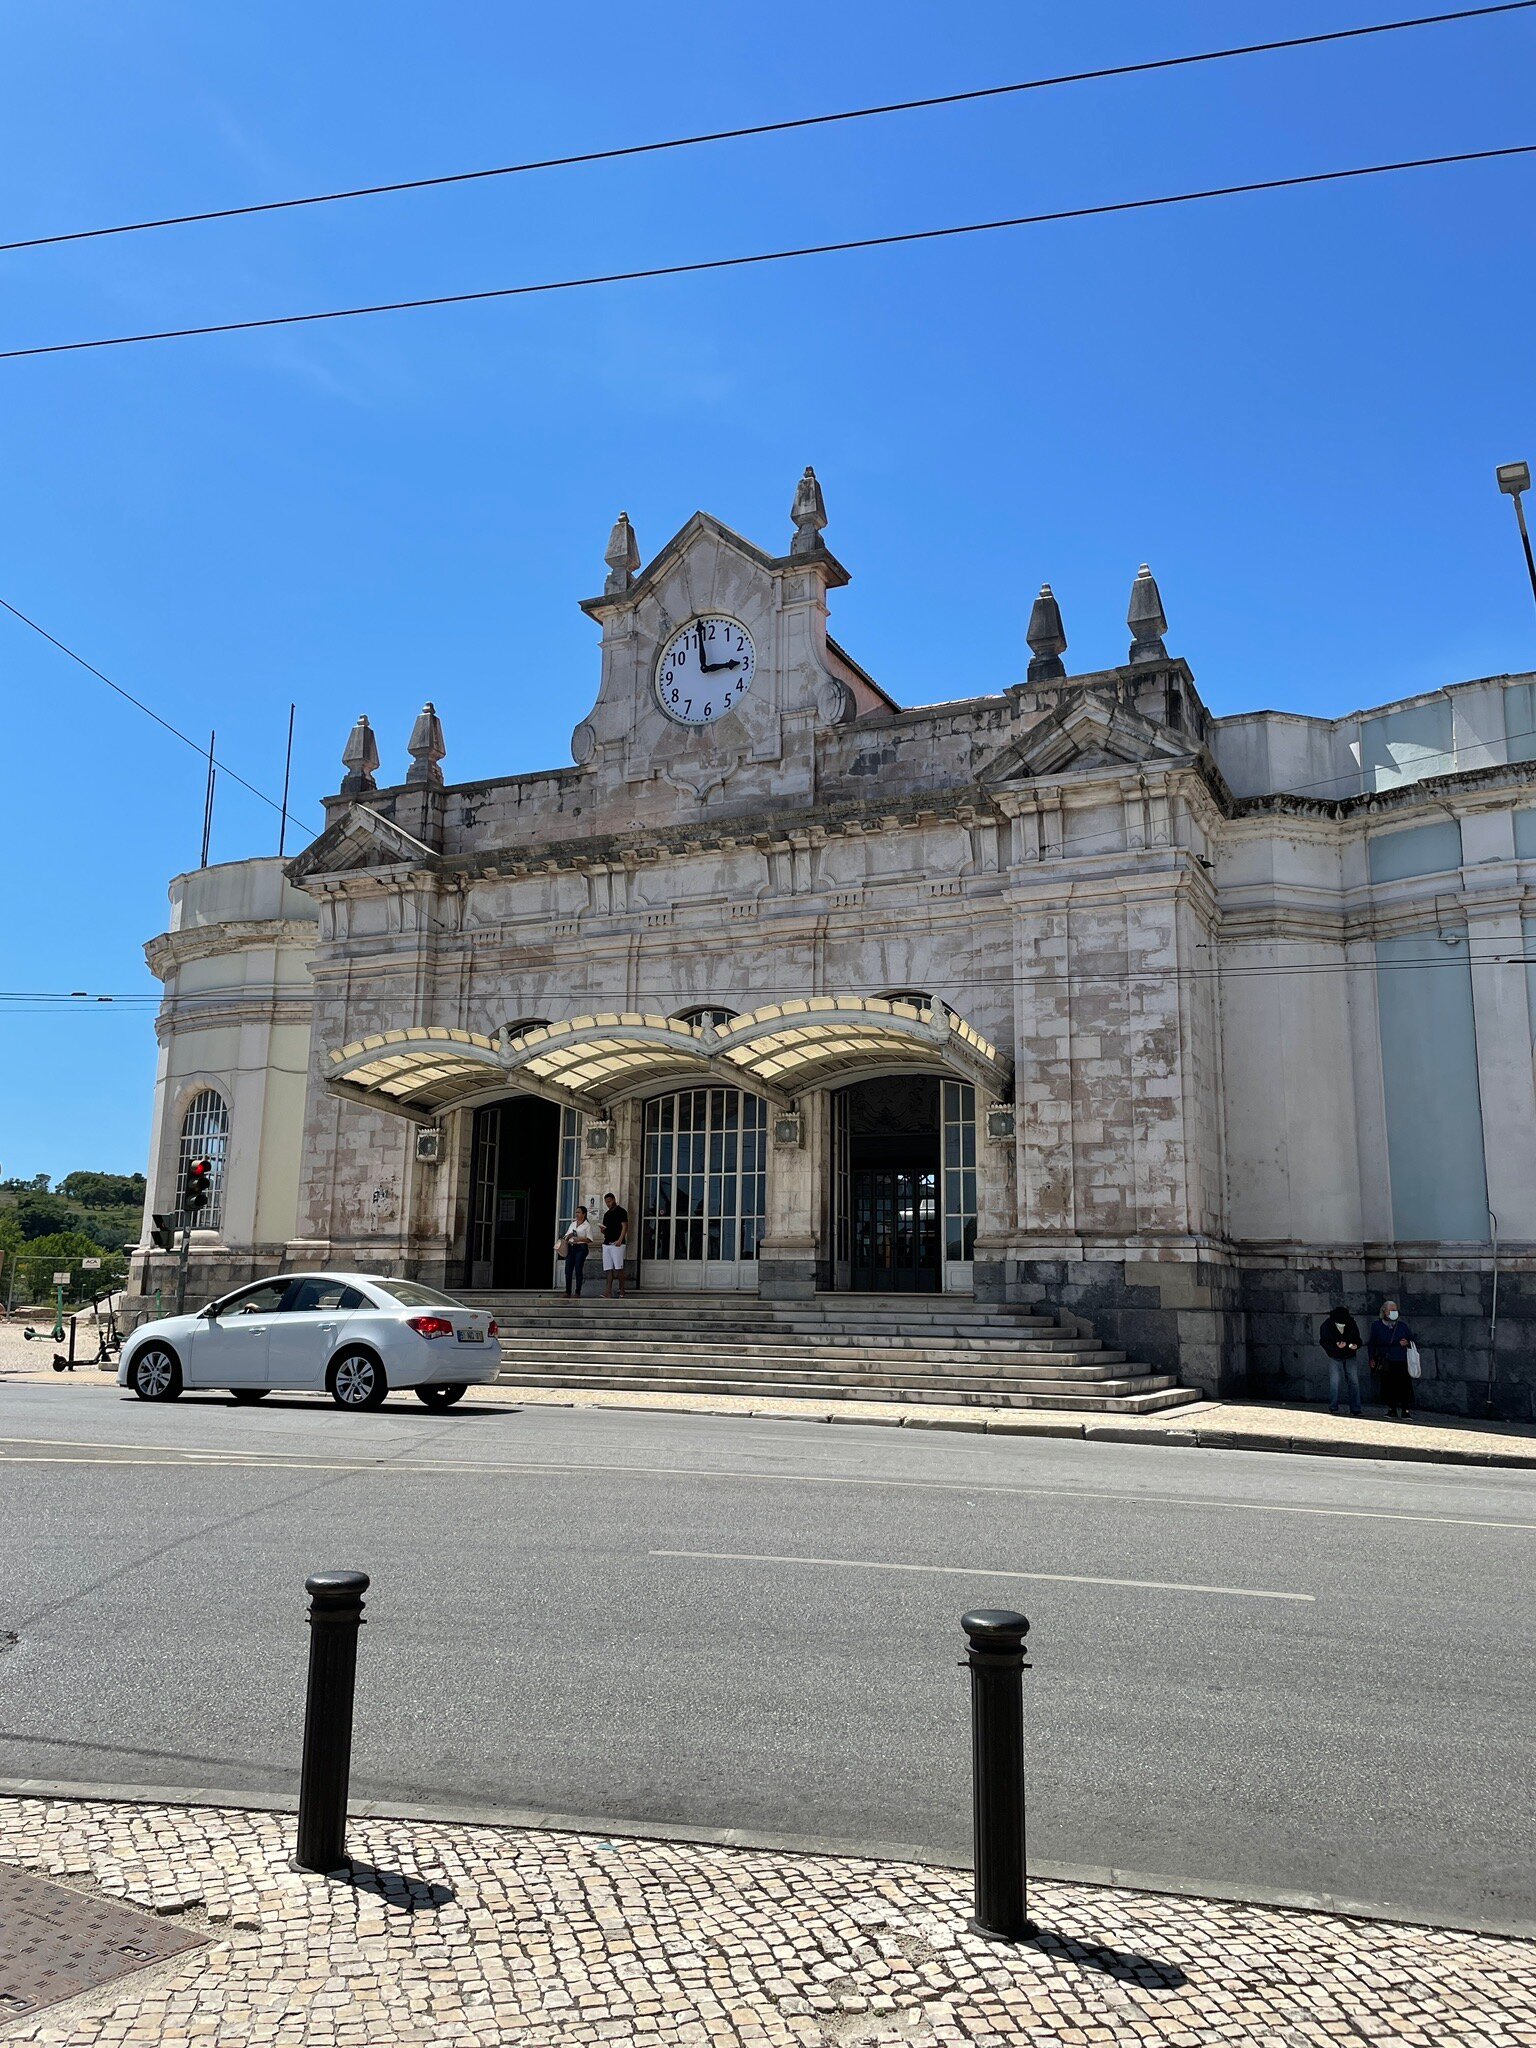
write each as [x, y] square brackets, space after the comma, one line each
[966, 1571]
[295, 1461]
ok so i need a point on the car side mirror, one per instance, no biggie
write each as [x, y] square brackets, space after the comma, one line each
[211, 1312]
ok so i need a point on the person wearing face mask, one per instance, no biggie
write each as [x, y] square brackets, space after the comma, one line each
[1389, 1344]
[1340, 1339]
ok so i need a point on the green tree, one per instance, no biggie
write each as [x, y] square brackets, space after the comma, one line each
[103, 1190]
[61, 1252]
[40, 1215]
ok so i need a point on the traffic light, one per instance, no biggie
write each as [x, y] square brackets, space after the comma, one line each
[199, 1177]
[162, 1233]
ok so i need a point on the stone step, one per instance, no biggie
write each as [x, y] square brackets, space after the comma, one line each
[1145, 1401]
[857, 1310]
[808, 1368]
[875, 1386]
[1084, 1356]
[636, 1319]
[637, 1330]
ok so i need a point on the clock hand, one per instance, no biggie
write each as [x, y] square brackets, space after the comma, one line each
[706, 666]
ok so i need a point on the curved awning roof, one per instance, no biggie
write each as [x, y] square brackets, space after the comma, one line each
[779, 1051]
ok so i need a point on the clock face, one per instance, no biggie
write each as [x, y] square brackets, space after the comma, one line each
[705, 669]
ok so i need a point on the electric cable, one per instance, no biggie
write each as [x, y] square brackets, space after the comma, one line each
[1457, 955]
[784, 127]
[149, 711]
[764, 256]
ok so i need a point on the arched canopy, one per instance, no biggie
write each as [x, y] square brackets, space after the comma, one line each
[778, 1051]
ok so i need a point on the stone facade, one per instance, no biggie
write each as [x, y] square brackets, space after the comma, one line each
[1177, 961]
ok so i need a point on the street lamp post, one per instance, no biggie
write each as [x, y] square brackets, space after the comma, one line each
[1514, 478]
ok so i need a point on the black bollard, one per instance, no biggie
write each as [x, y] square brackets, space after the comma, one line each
[996, 1658]
[335, 1616]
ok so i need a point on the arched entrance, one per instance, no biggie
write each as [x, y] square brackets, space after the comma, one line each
[513, 1176]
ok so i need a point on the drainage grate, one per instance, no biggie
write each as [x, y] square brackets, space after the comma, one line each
[56, 1943]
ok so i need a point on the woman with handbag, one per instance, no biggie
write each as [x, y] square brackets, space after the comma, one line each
[573, 1247]
[1395, 1355]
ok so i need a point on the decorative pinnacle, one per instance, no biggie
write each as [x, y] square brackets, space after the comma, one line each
[1047, 639]
[360, 757]
[1145, 618]
[426, 749]
[809, 513]
[622, 556]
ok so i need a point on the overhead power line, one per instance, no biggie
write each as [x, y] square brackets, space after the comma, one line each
[784, 127]
[977, 227]
[197, 746]
[1457, 955]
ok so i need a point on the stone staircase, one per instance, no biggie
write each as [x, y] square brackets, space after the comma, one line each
[832, 1347]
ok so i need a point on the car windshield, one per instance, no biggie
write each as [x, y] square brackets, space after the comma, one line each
[411, 1294]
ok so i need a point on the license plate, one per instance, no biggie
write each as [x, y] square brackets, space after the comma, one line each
[471, 1336]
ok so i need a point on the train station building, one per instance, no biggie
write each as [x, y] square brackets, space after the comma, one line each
[1068, 993]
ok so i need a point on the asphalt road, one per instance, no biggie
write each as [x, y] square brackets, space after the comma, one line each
[1250, 1671]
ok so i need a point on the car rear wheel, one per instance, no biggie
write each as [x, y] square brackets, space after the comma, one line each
[439, 1397]
[156, 1373]
[249, 1393]
[357, 1380]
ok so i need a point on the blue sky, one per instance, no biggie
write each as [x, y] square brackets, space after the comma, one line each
[1291, 404]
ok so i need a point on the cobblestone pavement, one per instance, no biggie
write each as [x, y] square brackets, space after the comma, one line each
[453, 1936]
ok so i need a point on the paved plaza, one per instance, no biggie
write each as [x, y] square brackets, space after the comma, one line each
[481, 1936]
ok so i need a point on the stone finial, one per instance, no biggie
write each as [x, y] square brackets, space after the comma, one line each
[809, 513]
[426, 748]
[622, 557]
[1047, 639]
[1145, 618]
[360, 756]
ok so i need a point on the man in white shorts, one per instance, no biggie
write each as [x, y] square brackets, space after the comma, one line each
[615, 1237]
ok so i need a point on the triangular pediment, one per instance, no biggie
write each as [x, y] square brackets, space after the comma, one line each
[359, 839]
[1090, 730]
[703, 528]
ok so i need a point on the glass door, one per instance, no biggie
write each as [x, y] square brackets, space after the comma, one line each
[704, 1192]
[895, 1230]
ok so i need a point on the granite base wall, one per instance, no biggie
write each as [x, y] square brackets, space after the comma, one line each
[1450, 1313]
[1180, 1317]
[1251, 1330]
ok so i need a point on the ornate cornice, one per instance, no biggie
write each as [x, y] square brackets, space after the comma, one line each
[238, 935]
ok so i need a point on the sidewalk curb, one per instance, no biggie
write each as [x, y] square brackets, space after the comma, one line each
[471, 1813]
[990, 1422]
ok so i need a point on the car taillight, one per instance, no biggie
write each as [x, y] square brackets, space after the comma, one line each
[493, 1331]
[430, 1326]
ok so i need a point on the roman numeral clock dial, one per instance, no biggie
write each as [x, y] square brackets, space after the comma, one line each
[705, 670]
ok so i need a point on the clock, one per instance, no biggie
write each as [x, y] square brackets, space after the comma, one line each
[705, 669]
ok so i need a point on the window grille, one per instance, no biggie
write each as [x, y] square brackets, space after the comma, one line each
[959, 1170]
[705, 1175]
[204, 1135]
[707, 1013]
[570, 1168]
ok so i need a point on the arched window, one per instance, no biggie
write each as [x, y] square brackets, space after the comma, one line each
[204, 1135]
[918, 997]
[706, 1013]
[518, 1025]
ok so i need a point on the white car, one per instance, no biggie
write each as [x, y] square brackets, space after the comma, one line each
[349, 1335]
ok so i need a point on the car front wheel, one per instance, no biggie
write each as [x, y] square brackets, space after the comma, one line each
[439, 1397]
[156, 1373]
[357, 1380]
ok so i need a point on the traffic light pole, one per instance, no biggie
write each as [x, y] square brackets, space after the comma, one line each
[181, 1269]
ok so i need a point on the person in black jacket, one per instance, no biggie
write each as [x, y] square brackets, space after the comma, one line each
[1390, 1339]
[1340, 1338]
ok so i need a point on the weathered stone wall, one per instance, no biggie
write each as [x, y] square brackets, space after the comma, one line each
[1449, 1309]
